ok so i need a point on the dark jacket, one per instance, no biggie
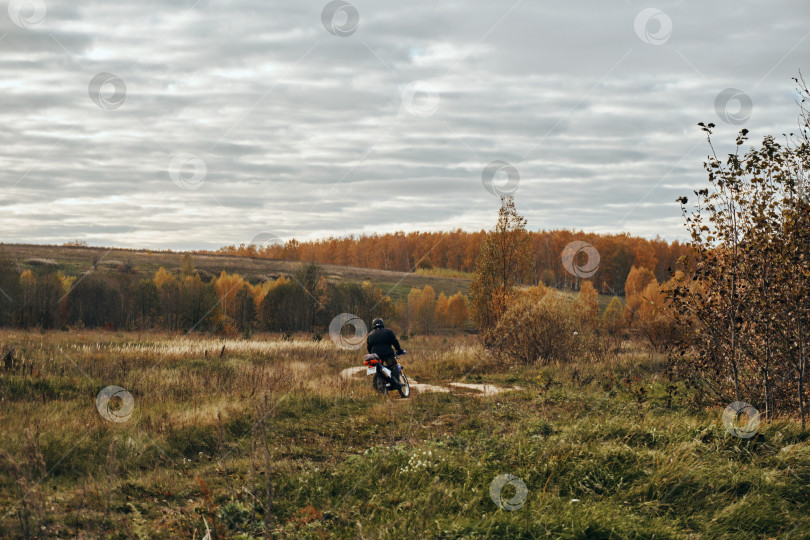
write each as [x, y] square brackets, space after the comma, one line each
[382, 342]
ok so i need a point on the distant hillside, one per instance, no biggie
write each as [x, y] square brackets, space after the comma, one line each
[75, 260]
[458, 251]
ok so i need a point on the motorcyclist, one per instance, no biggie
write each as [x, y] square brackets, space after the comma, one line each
[383, 342]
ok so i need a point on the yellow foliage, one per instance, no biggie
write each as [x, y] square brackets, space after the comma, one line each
[458, 310]
[442, 311]
[637, 281]
[652, 303]
[535, 293]
[587, 303]
[612, 318]
[162, 277]
[67, 281]
[260, 290]
[421, 309]
[27, 279]
[227, 286]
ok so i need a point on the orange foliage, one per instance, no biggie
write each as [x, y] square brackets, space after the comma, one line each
[637, 282]
[458, 250]
[458, 310]
[587, 304]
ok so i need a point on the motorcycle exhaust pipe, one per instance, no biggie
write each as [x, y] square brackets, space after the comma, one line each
[386, 371]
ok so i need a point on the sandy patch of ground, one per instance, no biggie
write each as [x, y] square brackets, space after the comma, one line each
[483, 389]
[426, 387]
[349, 371]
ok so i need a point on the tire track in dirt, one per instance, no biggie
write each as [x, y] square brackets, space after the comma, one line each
[479, 389]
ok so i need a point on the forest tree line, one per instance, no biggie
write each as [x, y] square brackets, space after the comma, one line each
[228, 304]
[458, 250]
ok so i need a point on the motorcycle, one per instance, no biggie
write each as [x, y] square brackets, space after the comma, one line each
[383, 378]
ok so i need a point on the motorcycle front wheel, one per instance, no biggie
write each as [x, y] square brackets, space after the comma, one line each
[405, 387]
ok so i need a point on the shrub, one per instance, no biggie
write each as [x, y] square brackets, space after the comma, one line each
[537, 328]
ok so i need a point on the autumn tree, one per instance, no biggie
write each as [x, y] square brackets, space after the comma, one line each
[279, 309]
[310, 280]
[260, 290]
[458, 310]
[616, 262]
[39, 299]
[421, 310]
[95, 301]
[745, 289]
[612, 318]
[586, 305]
[637, 281]
[426, 310]
[442, 316]
[199, 305]
[244, 310]
[50, 300]
[147, 304]
[365, 301]
[27, 298]
[296, 304]
[653, 316]
[504, 263]
[227, 287]
[169, 291]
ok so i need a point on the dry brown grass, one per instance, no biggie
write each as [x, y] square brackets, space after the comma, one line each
[340, 455]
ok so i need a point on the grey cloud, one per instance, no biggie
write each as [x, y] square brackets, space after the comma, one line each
[299, 128]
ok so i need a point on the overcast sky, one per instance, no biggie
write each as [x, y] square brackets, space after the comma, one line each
[182, 124]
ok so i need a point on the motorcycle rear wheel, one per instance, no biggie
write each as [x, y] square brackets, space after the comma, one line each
[379, 384]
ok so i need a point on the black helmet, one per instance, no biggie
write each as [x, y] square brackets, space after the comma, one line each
[377, 323]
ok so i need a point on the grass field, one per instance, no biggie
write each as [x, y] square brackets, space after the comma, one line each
[604, 450]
